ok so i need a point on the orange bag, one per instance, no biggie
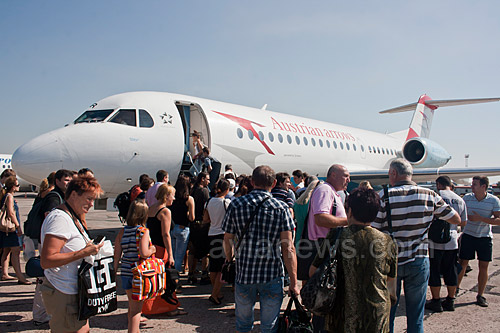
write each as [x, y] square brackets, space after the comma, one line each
[157, 306]
[149, 278]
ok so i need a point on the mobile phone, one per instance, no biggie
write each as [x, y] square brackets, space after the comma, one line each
[98, 239]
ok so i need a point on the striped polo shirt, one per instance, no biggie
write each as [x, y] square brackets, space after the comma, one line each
[412, 208]
[485, 208]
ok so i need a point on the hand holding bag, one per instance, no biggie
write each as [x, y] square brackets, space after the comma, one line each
[295, 321]
[149, 278]
[6, 224]
[318, 294]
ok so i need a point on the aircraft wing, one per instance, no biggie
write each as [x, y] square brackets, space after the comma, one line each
[380, 176]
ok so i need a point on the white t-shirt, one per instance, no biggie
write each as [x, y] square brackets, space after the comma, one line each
[64, 278]
[216, 208]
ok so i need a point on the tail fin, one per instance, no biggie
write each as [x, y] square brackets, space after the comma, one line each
[421, 122]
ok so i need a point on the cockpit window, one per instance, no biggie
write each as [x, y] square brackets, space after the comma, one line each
[125, 117]
[145, 119]
[93, 116]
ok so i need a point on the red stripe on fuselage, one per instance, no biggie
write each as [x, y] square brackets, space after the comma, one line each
[247, 124]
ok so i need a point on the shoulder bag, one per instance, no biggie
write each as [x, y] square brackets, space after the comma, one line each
[149, 278]
[391, 284]
[228, 273]
[6, 224]
[318, 294]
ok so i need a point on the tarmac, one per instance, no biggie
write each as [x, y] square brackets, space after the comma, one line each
[203, 316]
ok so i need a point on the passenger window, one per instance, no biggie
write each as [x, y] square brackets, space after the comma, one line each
[313, 142]
[347, 146]
[334, 144]
[280, 138]
[362, 148]
[354, 147]
[250, 134]
[297, 139]
[124, 117]
[289, 139]
[320, 143]
[271, 137]
[261, 136]
[378, 150]
[305, 141]
[239, 132]
[328, 143]
[145, 119]
[341, 146]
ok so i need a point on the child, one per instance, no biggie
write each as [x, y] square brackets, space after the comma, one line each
[126, 243]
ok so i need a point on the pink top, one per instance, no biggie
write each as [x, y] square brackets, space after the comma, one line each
[151, 193]
[321, 202]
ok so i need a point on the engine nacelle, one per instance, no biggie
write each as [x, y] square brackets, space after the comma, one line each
[424, 153]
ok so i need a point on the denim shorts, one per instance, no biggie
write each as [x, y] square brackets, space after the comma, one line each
[126, 282]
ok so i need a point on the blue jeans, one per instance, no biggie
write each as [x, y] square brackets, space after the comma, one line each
[415, 276]
[271, 297]
[180, 238]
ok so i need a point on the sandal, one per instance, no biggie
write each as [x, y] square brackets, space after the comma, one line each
[7, 278]
[26, 282]
[214, 300]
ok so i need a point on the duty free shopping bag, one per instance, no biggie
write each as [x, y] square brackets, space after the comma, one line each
[96, 284]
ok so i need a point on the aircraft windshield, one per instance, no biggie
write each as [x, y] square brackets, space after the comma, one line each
[93, 116]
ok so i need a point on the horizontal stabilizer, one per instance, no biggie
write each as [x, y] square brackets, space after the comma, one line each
[380, 176]
[441, 103]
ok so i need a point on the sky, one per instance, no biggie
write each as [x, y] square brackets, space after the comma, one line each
[336, 61]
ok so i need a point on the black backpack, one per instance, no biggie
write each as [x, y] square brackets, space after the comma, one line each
[439, 231]
[33, 225]
[122, 202]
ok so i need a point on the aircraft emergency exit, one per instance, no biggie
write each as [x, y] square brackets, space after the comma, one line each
[125, 135]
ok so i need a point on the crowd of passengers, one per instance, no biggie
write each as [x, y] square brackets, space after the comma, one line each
[194, 228]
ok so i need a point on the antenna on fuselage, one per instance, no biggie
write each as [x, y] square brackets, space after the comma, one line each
[264, 107]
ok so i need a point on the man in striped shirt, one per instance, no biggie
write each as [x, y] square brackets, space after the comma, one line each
[483, 210]
[412, 210]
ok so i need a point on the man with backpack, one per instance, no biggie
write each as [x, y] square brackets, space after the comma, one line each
[443, 255]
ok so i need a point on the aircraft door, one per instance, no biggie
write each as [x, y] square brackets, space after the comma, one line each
[193, 119]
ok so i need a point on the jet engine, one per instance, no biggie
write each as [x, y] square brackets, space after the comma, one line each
[424, 153]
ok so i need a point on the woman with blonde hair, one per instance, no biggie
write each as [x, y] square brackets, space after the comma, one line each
[11, 242]
[125, 243]
[159, 223]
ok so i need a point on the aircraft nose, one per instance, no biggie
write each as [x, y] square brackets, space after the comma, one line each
[37, 158]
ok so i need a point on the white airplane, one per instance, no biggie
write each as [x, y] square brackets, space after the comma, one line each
[125, 135]
[6, 163]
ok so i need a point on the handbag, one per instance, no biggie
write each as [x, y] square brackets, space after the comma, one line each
[33, 267]
[149, 278]
[6, 224]
[319, 292]
[228, 272]
[295, 321]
